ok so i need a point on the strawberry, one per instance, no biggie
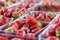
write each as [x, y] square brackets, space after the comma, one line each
[58, 21]
[19, 23]
[50, 33]
[20, 6]
[52, 38]
[40, 17]
[14, 25]
[5, 19]
[47, 19]
[35, 30]
[33, 27]
[2, 38]
[33, 1]
[30, 20]
[20, 33]
[14, 1]
[7, 12]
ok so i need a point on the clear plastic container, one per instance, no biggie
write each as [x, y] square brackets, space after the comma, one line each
[38, 7]
[10, 20]
[49, 27]
[23, 18]
[46, 12]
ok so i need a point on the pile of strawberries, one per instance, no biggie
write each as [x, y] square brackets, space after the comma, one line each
[15, 12]
[54, 32]
[30, 26]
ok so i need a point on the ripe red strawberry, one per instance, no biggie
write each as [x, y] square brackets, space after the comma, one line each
[20, 33]
[55, 27]
[58, 21]
[13, 1]
[33, 27]
[50, 33]
[14, 25]
[2, 23]
[28, 6]
[2, 38]
[5, 19]
[40, 17]
[30, 20]
[26, 2]
[20, 6]
[52, 38]
[19, 23]
[7, 12]
[23, 10]
[35, 30]
[47, 19]
[33, 1]
[52, 3]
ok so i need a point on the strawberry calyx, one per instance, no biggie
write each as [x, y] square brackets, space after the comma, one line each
[58, 32]
[9, 30]
[39, 24]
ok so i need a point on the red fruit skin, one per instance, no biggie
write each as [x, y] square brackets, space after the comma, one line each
[20, 6]
[27, 22]
[47, 19]
[28, 6]
[34, 27]
[5, 19]
[52, 3]
[35, 30]
[23, 10]
[52, 38]
[26, 2]
[33, 1]
[20, 33]
[7, 12]
[31, 20]
[16, 39]
[40, 17]
[3, 38]
[50, 33]
[15, 26]
[14, 1]
[19, 23]
[58, 21]
[2, 23]
[56, 26]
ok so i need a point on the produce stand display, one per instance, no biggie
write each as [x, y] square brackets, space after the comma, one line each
[29, 20]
